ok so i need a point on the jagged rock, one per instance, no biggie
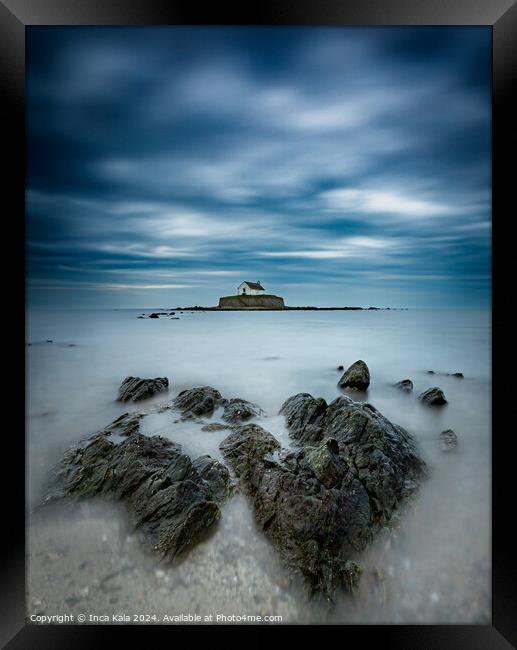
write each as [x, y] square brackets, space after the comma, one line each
[153, 316]
[134, 389]
[170, 499]
[322, 505]
[246, 448]
[240, 410]
[458, 375]
[216, 475]
[198, 401]
[125, 425]
[315, 529]
[433, 397]
[448, 440]
[356, 377]
[383, 453]
[305, 417]
[405, 385]
[325, 464]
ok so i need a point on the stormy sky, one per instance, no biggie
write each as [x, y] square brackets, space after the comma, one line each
[338, 166]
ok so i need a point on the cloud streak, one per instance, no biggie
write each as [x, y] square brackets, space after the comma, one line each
[190, 158]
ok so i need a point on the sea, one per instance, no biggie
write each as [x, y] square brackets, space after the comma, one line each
[433, 567]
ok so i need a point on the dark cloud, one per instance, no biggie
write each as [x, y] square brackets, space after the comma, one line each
[167, 164]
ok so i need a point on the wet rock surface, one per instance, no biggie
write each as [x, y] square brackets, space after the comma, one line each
[240, 410]
[125, 425]
[322, 505]
[170, 499]
[305, 417]
[134, 389]
[356, 377]
[433, 397]
[405, 385]
[196, 402]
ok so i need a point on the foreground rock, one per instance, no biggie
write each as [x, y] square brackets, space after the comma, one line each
[322, 505]
[405, 385]
[196, 402]
[170, 499]
[433, 397]
[356, 377]
[240, 410]
[448, 440]
[134, 389]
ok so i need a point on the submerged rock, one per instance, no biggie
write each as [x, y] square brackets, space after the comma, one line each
[433, 396]
[405, 385]
[356, 377]
[448, 440]
[458, 375]
[216, 426]
[134, 389]
[321, 505]
[240, 410]
[170, 499]
[198, 401]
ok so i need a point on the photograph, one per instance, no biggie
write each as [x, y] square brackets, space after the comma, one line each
[302, 434]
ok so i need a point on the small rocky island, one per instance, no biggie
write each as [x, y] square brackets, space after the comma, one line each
[251, 295]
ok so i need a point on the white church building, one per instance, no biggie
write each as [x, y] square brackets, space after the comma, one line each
[250, 289]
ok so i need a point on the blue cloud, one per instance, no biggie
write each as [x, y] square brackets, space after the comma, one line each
[166, 164]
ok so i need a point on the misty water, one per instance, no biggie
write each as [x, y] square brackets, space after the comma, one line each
[434, 566]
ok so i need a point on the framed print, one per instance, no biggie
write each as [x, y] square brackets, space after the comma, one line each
[254, 263]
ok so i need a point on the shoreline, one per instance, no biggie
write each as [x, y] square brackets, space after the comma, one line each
[289, 308]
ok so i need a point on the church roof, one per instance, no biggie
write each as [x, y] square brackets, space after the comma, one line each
[254, 285]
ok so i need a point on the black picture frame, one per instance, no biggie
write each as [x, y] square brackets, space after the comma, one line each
[15, 16]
